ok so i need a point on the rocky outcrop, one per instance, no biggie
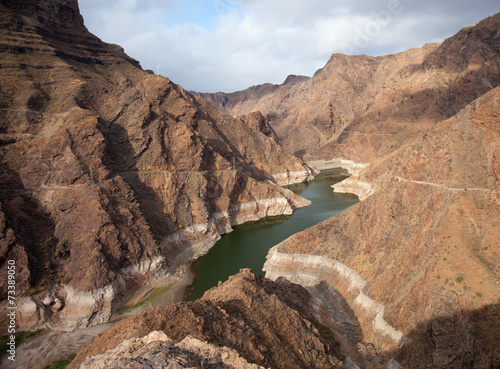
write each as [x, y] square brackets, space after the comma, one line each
[111, 176]
[157, 350]
[363, 108]
[417, 261]
[241, 315]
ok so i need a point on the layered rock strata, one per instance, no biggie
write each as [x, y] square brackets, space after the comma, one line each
[355, 186]
[112, 176]
[311, 270]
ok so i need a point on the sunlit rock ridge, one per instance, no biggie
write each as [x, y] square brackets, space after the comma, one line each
[112, 176]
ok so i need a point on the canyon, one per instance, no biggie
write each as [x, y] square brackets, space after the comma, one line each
[418, 259]
[114, 178]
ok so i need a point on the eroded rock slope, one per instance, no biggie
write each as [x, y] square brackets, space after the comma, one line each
[419, 260]
[112, 175]
[270, 324]
[362, 108]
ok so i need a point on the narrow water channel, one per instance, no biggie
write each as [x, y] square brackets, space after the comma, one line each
[248, 244]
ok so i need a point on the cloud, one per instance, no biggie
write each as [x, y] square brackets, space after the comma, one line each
[227, 45]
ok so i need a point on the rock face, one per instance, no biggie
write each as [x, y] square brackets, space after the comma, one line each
[418, 260]
[362, 108]
[156, 350]
[111, 176]
[271, 324]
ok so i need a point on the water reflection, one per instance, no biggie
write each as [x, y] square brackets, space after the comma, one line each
[248, 244]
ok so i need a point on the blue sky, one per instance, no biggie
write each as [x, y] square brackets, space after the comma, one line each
[229, 45]
[199, 12]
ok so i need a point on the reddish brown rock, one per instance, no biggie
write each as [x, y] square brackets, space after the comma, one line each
[418, 260]
[272, 324]
[111, 174]
[362, 108]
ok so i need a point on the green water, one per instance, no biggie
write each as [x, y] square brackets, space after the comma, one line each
[248, 244]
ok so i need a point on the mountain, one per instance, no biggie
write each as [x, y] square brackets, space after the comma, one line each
[377, 103]
[228, 102]
[418, 260]
[112, 177]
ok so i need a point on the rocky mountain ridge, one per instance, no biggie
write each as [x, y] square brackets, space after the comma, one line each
[242, 314]
[228, 101]
[378, 103]
[417, 260]
[112, 176]
[441, 258]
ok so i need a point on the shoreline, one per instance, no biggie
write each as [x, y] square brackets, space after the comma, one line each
[177, 292]
[50, 345]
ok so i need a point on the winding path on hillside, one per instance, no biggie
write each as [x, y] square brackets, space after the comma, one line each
[55, 187]
[444, 187]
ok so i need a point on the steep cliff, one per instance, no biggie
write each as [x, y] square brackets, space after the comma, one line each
[418, 261]
[110, 175]
[363, 108]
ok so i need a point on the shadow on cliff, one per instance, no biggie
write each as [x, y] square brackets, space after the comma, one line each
[433, 105]
[30, 240]
[467, 340]
[122, 161]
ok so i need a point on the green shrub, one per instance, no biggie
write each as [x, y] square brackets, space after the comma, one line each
[149, 299]
[61, 364]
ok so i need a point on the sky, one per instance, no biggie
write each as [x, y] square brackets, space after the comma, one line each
[230, 45]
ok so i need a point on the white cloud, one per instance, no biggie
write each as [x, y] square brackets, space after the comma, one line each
[212, 45]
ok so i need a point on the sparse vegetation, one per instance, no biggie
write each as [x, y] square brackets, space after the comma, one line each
[4, 340]
[147, 300]
[459, 278]
[61, 364]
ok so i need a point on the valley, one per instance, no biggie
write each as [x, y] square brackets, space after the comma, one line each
[115, 180]
[247, 246]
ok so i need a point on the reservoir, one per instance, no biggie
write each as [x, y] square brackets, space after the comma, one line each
[247, 245]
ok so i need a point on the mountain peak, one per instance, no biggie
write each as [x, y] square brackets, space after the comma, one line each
[55, 13]
[292, 78]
